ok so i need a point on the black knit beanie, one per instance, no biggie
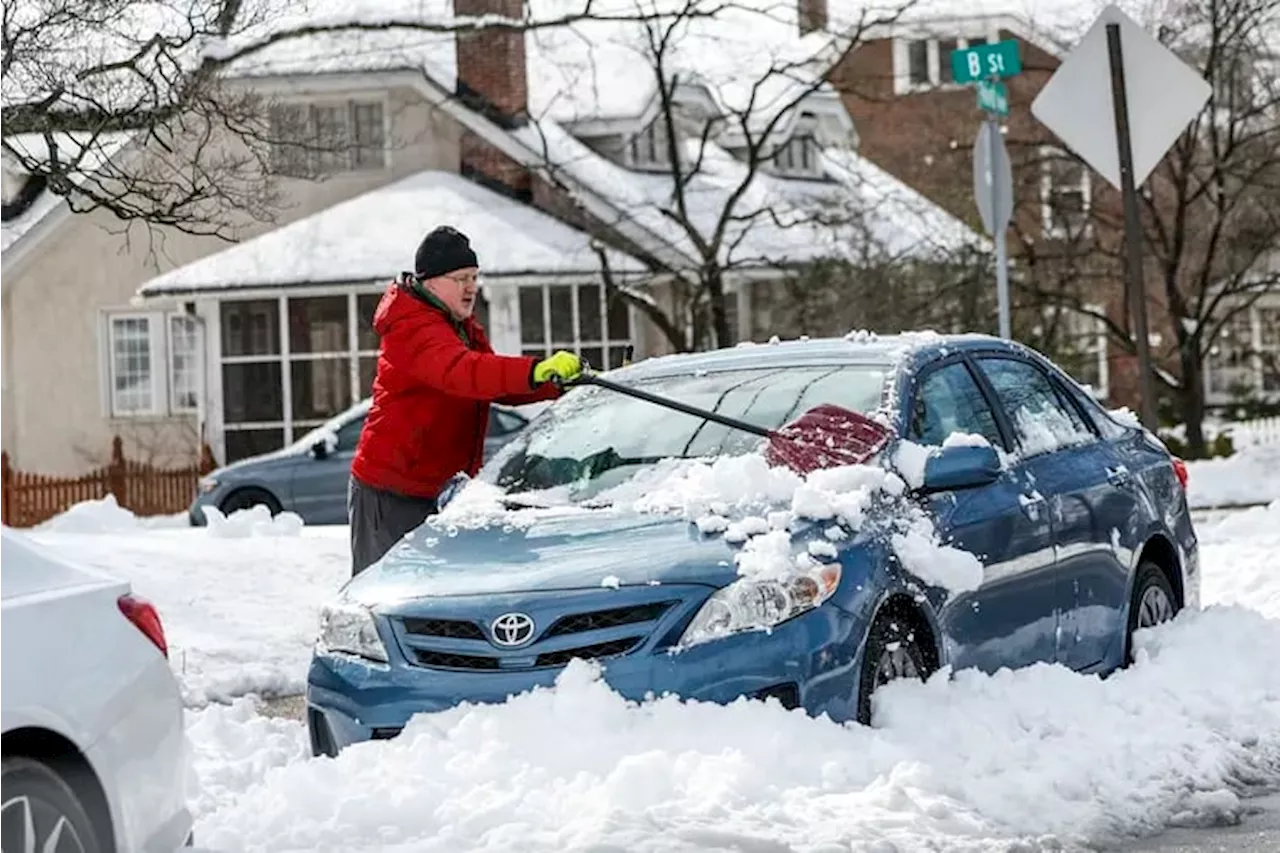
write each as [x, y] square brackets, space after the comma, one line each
[442, 251]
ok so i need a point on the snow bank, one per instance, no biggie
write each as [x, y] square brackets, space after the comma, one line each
[240, 614]
[254, 521]
[106, 516]
[1239, 556]
[1040, 756]
[1249, 476]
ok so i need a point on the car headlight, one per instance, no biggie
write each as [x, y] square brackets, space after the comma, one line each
[350, 628]
[208, 484]
[759, 604]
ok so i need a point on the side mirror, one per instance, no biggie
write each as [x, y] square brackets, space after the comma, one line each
[961, 467]
[320, 449]
[451, 488]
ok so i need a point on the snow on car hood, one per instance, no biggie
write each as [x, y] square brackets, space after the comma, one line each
[682, 521]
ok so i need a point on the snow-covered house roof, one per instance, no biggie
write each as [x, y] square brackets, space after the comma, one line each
[373, 237]
[23, 155]
[779, 221]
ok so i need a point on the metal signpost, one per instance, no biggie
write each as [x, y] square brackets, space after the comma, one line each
[986, 65]
[1119, 100]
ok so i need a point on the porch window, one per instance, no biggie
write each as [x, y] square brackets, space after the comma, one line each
[290, 363]
[575, 318]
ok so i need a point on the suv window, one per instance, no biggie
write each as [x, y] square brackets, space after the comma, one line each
[349, 434]
[947, 401]
[501, 423]
[1042, 418]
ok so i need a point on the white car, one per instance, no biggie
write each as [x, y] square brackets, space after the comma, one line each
[94, 749]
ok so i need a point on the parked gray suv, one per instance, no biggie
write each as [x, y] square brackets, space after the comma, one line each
[310, 476]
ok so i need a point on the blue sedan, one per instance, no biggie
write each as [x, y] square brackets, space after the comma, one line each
[1075, 522]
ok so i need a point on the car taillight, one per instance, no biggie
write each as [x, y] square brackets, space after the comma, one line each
[1180, 469]
[143, 615]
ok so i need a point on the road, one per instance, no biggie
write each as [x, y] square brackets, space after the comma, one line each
[1257, 832]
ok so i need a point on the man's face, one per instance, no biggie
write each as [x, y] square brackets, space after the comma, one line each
[457, 291]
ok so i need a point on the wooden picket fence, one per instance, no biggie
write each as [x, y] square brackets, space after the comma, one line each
[29, 499]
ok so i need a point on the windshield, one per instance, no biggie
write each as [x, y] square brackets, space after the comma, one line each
[595, 439]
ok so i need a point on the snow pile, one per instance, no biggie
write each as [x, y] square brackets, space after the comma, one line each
[1040, 757]
[231, 749]
[1239, 556]
[240, 614]
[1249, 476]
[105, 515]
[253, 521]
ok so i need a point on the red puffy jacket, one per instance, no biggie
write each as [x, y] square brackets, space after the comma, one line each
[431, 397]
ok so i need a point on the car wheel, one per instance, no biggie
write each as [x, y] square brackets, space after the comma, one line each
[895, 649]
[42, 812]
[1153, 603]
[247, 499]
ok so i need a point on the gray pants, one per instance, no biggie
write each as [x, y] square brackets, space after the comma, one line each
[380, 519]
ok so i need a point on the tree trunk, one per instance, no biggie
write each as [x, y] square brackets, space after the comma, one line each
[1191, 397]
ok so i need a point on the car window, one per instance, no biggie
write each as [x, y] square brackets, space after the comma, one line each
[593, 439]
[947, 401]
[349, 434]
[1043, 420]
[501, 423]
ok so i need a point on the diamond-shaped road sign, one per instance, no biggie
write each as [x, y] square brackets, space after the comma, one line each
[1163, 93]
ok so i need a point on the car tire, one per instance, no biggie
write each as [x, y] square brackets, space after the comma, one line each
[247, 499]
[1153, 602]
[894, 649]
[34, 788]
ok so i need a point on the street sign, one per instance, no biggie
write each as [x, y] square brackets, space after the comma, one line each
[993, 191]
[993, 97]
[1163, 94]
[1120, 100]
[984, 61]
[992, 178]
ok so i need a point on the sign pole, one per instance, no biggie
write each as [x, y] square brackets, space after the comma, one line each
[1132, 228]
[1002, 254]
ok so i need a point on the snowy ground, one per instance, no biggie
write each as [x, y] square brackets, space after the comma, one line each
[1039, 759]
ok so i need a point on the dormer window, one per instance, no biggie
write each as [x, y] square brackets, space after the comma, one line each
[648, 149]
[799, 155]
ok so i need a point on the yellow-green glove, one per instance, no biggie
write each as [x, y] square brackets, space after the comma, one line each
[563, 364]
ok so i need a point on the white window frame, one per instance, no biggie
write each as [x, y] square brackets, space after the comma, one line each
[348, 165]
[802, 139]
[651, 133]
[1218, 384]
[292, 428]
[902, 82]
[197, 366]
[1049, 228]
[156, 364]
[548, 345]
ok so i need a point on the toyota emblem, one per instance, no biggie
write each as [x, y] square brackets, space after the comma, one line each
[512, 629]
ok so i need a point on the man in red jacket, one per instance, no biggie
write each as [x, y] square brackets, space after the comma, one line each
[436, 376]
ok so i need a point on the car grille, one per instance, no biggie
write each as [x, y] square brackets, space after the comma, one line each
[443, 628]
[476, 653]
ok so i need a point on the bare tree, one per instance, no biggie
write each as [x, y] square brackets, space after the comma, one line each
[730, 83]
[126, 106]
[1210, 211]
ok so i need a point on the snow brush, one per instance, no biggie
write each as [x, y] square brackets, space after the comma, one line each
[826, 436]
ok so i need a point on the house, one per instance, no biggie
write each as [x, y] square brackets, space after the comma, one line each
[919, 125]
[556, 170]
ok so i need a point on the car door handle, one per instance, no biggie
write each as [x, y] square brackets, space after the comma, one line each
[1118, 476]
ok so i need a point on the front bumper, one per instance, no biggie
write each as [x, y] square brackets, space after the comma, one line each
[808, 661]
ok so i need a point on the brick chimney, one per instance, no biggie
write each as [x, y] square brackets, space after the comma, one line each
[492, 81]
[812, 15]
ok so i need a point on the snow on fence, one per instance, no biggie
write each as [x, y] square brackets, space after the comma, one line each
[29, 499]
[1255, 433]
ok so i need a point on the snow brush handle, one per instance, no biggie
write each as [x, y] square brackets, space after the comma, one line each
[589, 378]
